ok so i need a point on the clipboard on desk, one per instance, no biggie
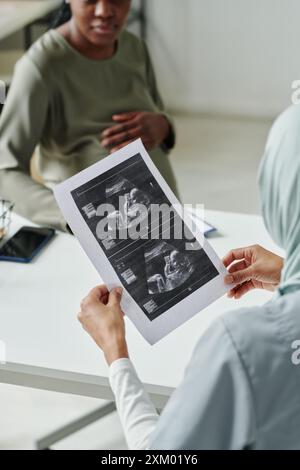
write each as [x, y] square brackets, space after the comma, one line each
[205, 227]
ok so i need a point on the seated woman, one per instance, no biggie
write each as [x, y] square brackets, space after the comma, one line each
[241, 388]
[81, 91]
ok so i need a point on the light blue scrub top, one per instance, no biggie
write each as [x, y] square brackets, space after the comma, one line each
[241, 388]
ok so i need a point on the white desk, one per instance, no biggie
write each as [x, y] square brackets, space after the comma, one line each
[15, 15]
[48, 349]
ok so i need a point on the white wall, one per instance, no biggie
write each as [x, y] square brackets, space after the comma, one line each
[226, 56]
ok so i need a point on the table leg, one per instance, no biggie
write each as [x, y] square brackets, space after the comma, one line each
[60, 434]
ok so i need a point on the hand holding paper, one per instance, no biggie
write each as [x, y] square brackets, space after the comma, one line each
[252, 267]
[101, 316]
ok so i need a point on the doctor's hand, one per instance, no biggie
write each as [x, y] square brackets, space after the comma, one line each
[152, 128]
[252, 267]
[101, 316]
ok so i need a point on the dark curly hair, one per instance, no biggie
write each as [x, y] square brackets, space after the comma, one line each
[63, 15]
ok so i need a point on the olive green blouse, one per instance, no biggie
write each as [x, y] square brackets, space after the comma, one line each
[59, 103]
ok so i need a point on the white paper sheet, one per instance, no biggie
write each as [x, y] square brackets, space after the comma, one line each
[165, 281]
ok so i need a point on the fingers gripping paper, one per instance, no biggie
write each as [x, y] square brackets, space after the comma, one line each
[137, 235]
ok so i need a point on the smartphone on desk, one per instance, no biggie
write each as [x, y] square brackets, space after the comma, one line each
[26, 244]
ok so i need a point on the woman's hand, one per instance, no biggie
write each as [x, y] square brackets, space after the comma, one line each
[101, 316]
[152, 128]
[250, 268]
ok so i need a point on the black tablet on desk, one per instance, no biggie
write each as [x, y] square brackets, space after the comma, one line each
[26, 244]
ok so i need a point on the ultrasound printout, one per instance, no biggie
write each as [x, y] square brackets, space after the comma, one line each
[127, 220]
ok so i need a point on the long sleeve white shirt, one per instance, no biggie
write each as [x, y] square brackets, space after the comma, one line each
[137, 413]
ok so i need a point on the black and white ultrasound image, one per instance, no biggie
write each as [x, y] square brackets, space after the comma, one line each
[157, 269]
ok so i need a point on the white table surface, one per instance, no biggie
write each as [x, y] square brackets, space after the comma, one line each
[15, 15]
[48, 349]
